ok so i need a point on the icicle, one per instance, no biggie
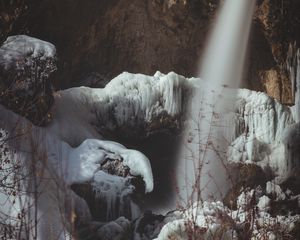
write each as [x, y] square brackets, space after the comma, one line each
[115, 193]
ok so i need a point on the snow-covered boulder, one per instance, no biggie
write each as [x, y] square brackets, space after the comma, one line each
[26, 66]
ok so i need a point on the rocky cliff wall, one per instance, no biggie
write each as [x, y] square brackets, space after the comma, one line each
[112, 36]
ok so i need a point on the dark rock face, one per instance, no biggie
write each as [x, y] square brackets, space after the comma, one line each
[279, 22]
[113, 36]
[26, 66]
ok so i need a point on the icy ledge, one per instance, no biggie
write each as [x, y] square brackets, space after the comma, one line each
[131, 104]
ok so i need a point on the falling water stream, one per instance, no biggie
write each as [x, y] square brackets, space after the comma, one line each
[202, 172]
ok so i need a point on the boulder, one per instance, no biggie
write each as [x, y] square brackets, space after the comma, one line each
[26, 67]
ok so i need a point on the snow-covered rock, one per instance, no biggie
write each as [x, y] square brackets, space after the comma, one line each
[263, 122]
[212, 220]
[26, 66]
[264, 203]
[132, 104]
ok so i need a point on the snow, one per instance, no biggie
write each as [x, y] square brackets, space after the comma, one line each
[275, 190]
[205, 217]
[85, 160]
[29, 46]
[262, 115]
[264, 124]
[213, 218]
[139, 166]
[244, 200]
[128, 102]
[65, 165]
[264, 203]
[145, 96]
[131, 101]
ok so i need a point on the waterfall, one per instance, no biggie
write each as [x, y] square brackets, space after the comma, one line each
[297, 90]
[291, 135]
[202, 170]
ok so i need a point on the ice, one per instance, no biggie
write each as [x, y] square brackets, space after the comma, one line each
[85, 160]
[244, 200]
[263, 116]
[263, 125]
[128, 102]
[114, 192]
[61, 165]
[151, 94]
[79, 164]
[21, 53]
[131, 101]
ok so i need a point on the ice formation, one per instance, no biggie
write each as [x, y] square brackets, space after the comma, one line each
[265, 133]
[60, 166]
[128, 103]
[83, 162]
[131, 101]
[114, 192]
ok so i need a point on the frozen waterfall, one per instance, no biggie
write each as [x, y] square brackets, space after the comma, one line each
[202, 168]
